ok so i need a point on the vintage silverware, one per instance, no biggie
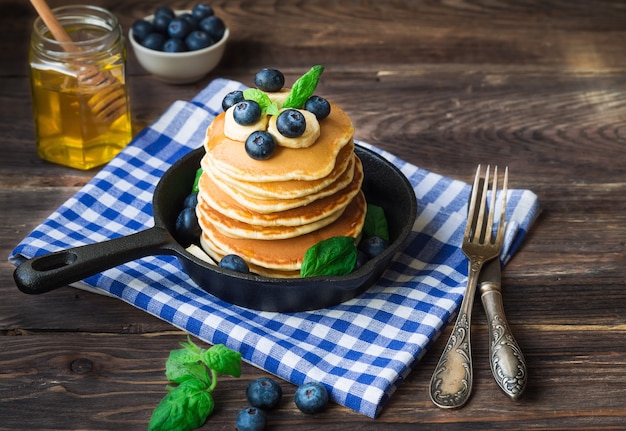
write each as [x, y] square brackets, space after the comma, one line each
[505, 356]
[451, 382]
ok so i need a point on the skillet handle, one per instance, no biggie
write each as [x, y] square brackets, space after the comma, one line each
[53, 270]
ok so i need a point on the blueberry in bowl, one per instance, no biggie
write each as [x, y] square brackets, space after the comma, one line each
[179, 46]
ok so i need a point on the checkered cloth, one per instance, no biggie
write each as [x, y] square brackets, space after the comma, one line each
[361, 349]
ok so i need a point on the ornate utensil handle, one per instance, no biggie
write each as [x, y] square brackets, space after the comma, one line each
[506, 359]
[451, 382]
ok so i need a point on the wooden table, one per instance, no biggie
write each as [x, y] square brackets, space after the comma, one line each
[539, 86]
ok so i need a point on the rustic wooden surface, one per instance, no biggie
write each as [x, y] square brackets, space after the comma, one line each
[537, 85]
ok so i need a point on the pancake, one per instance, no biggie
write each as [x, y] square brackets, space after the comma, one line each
[237, 229]
[285, 254]
[312, 163]
[304, 209]
[225, 203]
[266, 272]
[282, 189]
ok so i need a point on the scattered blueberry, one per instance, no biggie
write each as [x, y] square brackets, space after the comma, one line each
[234, 263]
[264, 393]
[187, 228]
[270, 80]
[141, 29]
[174, 45]
[202, 11]
[232, 98]
[373, 246]
[247, 112]
[154, 41]
[179, 28]
[291, 123]
[251, 419]
[213, 26]
[318, 106]
[260, 145]
[311, 398]
[191, 200]
[198, 40]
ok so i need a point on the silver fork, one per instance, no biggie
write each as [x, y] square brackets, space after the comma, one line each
[451, 383]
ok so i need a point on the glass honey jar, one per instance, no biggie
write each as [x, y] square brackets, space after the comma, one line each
[80, 101]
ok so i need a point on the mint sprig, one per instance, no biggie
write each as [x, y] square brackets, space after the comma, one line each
[303, 88]
[195, 370]
[260, 97]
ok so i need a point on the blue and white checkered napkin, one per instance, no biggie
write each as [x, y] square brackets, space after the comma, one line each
[361, 349]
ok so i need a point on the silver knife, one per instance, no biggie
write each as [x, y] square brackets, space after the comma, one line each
[506, 359]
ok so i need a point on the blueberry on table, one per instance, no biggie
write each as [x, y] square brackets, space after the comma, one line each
[264, 393]
[187, 228]
[154, 41]
[247, 112]
[291, 123]
[198, 40]
[271, 80]
[174, 45]
[234, 263]
[318, 106]
[142, 28]
[260, 145]
[311, 398]
[373, 246]
[251, 419]
[232, 99]
[201, 11]
[213, 26]
[179, 28]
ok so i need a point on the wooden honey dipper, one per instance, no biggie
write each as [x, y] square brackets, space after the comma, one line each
[109, 101]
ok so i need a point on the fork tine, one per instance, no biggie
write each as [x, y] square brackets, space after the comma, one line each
[505, 184]
[494, 191]
[472, 224]
[484, 228]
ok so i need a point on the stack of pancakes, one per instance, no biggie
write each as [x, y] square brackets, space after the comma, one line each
[271, 211]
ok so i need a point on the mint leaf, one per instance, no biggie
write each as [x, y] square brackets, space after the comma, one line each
[332, 256]
[303, 88]
[223, 360]
[195, 189]
[260, 97]
[184, 408]
[375, 223]
[183, 364]
[192, 348]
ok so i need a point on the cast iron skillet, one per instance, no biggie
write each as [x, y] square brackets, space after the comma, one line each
[383, 185]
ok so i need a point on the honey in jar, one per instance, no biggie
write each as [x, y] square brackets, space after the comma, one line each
[80, 102]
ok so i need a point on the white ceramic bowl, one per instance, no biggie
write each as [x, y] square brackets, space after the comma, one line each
[179, 67]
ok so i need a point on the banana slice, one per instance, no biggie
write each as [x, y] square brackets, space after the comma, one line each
[237, 132]
[308, 138]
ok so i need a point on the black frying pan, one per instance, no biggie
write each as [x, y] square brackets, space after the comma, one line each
[384, 185]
